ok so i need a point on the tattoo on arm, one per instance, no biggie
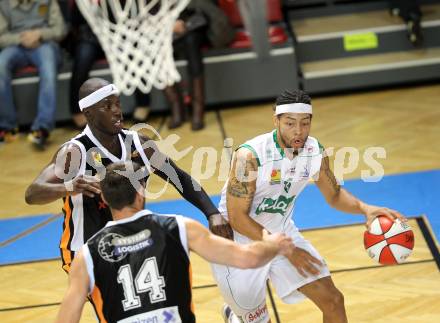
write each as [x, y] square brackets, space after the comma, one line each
[242, 179]
[237, 188]
[329, 176]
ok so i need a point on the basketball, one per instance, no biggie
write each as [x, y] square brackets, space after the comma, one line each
[389, 242]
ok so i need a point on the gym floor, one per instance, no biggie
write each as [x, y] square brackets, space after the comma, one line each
[404, 121]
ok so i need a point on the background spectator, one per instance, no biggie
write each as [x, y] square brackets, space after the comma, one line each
[142, 109]
[409, 11]
[202, 21]
[28, 31]
[86, 51]
[254, 13]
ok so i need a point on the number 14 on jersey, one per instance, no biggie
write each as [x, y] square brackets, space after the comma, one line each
[146, 280]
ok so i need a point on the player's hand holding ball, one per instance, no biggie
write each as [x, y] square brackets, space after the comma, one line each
[371, 212]
[388, 241]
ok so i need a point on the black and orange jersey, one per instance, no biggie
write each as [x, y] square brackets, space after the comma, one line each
[139, 270]
[84, 216]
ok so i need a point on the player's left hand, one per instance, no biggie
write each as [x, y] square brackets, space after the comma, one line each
[371, 212]
[219, 226]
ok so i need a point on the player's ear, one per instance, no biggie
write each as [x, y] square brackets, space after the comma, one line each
[276, 120]
[140, 200]
[88, 114]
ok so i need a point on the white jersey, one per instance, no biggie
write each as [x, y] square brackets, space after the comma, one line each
[279, 182]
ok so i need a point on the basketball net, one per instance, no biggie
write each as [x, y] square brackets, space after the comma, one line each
[136, 36]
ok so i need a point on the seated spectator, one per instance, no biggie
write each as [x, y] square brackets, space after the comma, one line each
[201, 21]
[86, 51]
[142, 108]
[254, 13]
[409, 11]
[29, 30]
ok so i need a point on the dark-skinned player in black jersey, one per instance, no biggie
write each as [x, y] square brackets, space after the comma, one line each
[70, 175]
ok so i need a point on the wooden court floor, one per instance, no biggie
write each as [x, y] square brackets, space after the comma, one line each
[403, 121]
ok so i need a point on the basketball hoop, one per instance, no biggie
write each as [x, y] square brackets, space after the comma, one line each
[136, 36]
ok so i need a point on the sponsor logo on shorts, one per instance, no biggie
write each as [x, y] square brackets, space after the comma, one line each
[257, 315]
[162, 315]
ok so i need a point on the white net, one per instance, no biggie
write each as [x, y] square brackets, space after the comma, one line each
[136, 36]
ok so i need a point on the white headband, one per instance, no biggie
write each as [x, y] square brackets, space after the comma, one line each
[293, 108]
[97, 96]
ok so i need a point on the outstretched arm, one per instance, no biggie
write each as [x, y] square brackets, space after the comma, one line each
[225, 252]
[76, 294]
[188, 187]
[50, 184]
[342, 200]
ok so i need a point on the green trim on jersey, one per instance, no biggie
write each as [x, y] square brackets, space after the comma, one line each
[321, 147]
[277, 144]
[253, 152]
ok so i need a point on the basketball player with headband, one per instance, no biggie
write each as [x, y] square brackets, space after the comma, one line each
[268, 173]
[70, 174]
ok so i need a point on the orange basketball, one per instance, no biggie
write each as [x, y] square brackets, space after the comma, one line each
[389, 242]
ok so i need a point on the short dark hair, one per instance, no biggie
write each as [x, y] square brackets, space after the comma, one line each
[116, 187]
[295, 96]
[90, 86]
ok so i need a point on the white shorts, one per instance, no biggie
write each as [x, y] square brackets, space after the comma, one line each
[244, 290]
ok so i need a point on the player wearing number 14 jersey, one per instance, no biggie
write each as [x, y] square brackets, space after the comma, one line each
[137, 268]
[142, 253]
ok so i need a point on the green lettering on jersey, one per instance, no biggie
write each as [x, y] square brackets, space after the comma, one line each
[280, 205]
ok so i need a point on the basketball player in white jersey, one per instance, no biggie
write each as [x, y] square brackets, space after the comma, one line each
[268, 173]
